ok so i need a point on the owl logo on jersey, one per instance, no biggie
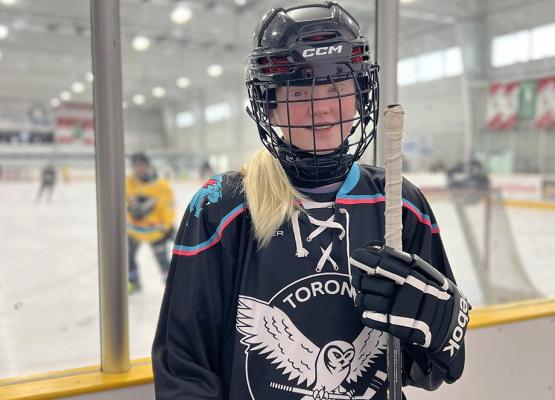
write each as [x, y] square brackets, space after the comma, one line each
[328, 370]
[210, 193]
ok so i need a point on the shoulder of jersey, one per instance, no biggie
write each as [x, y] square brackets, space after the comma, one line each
[218, 196]
[377, 176]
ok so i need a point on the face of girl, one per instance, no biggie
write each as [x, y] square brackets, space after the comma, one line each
[327, 115]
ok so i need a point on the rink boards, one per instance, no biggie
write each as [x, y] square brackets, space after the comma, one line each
[49, 274]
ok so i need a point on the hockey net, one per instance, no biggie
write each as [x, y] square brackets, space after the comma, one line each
[479, 238]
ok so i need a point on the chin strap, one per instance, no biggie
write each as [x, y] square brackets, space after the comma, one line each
[304, 169]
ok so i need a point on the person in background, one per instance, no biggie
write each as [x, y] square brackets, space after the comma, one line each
[468, 175]
[150, 216]
[64, 172]
[47, 182]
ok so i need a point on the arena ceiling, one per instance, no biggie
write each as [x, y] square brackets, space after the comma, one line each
[48, 43]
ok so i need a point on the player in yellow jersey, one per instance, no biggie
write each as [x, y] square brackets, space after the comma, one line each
[150, 215]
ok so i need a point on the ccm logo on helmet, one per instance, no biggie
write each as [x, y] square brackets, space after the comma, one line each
[322, 51]
[458, 332]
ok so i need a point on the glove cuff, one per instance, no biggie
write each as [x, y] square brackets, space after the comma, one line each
[454, 338]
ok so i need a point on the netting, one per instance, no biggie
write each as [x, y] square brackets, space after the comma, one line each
[480, 242]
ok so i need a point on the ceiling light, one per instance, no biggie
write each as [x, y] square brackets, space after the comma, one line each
[139, 99]
[182, 82]
[158, 91]
[4, 31]
[8, 2]
[78, 87]
[89, 77]
[407, 1]
[215, 70]
[217, 112]
[181, 14]
[55, 102]
[141, 43]
[240, 2]
[124, 105]
[185, 119]
[65, 95]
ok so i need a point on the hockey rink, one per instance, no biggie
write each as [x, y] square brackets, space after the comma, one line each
[49, 273]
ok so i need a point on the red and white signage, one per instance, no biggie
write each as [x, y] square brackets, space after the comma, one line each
[502, 107]
[74, 123]
[545, 104]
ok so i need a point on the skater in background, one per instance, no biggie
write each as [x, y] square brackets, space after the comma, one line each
[468, 182]
[47, 182]
[468, 175]
[66, 175]
[268, 295]
[150, 216]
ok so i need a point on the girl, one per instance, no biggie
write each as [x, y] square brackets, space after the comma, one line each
[266, 298]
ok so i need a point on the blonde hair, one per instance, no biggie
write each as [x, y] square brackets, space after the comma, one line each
[270, 196]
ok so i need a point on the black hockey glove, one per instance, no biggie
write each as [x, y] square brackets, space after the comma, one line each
[402, 294]
[140, 206]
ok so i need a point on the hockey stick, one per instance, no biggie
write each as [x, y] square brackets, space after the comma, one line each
[393, 124]
[306, 392]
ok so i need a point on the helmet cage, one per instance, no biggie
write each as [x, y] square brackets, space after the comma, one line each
[317, 167]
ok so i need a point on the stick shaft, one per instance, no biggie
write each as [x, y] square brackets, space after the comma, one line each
[332, 396]
[393, 124]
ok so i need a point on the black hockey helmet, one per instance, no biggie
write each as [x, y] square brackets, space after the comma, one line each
[149, 173]
[307, 46]
[140, 157]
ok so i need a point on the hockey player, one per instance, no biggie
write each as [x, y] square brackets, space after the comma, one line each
[150, 216]
[47, 182]
[468, 182]
[468, 175]
[279, 287]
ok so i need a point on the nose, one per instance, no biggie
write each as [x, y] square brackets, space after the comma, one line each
[320, 106]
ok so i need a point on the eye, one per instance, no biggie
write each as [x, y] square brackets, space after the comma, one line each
[294, 94]
[335, 354]
[337, 89]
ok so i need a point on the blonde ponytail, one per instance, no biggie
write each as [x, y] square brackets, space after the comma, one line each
[270, 195]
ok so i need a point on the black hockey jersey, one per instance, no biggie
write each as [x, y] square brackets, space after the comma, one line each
[280, 322]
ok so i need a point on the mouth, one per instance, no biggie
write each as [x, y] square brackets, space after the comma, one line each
[321, 128]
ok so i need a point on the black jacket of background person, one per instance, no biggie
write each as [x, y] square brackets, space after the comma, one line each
[231, 311]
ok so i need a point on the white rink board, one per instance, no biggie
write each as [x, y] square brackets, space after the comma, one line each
[49, 274]
[513, 361]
